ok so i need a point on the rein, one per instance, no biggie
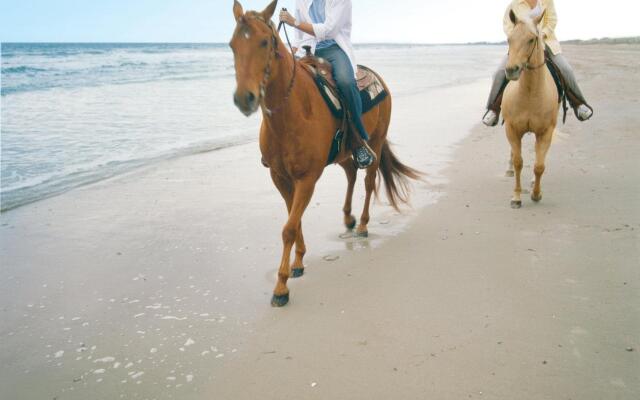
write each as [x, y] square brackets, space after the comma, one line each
[267, 68]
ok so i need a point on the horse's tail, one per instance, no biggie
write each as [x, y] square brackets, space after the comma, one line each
[396, 176]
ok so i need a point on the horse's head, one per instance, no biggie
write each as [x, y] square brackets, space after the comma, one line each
[254, 45]
[524, 40]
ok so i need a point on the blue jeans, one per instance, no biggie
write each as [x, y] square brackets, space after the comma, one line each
[345, 79]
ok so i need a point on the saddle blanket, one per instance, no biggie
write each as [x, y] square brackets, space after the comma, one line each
[371, 90]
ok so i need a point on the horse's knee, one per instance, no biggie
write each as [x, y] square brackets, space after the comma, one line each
[538, 169]
[289, 233]
[518, 162]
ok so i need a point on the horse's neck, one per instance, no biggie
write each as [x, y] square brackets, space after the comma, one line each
[277, 96]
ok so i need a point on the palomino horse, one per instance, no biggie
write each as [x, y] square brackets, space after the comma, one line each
[297, 132]
[530, 101]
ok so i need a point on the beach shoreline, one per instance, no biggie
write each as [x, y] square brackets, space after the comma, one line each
[59, 102]
[169, 269]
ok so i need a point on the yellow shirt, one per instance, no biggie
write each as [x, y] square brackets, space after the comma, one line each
[522, 9]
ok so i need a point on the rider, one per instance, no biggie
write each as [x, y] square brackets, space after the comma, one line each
[325, 25]
[533, 9]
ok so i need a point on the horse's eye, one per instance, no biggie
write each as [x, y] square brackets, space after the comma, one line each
[264, 43]
[531, 41]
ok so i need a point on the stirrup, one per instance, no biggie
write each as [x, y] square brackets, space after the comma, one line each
[494, 122]
[582, 119]
[362, 163]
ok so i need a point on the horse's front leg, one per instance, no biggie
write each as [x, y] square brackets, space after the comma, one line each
[297, 268]
[285, 187]
[515, 140]
[509, 172]
[543, 142]
[302, 192]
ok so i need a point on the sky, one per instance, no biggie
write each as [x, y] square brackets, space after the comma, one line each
[375, 21]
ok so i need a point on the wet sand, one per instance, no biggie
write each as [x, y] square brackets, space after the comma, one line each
[156, 284]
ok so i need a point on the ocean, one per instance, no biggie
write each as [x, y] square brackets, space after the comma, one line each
[72, 114]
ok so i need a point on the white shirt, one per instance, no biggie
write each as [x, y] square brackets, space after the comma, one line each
[537, 11]
[336, 26]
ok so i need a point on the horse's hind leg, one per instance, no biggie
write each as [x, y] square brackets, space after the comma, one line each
[370, 187]
[543, 142]
[515, 140]
[352, 172]
[378, 139]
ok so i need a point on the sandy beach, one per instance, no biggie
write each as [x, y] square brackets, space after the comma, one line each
[156, 284]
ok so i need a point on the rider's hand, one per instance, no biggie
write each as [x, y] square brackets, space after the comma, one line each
[287, 18]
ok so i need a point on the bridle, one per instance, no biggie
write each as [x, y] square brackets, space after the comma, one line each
[273, 53]
[527, 65]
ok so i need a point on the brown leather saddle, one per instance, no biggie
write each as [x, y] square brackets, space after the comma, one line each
[372, 90]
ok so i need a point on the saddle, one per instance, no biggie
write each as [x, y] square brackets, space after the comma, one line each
[370, 86]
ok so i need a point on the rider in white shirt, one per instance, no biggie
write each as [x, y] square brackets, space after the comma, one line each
[325, 25]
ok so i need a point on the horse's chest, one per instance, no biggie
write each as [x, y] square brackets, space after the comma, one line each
[288, 160]
[529, 117]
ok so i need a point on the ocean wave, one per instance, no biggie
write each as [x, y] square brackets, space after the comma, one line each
[22, 69]
[133, 64]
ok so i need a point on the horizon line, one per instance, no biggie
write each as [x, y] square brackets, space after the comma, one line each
[355, 43]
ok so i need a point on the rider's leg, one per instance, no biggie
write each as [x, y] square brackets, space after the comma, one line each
[497, 87]
[345, 79]
[576, 98]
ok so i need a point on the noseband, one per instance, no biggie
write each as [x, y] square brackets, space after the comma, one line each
[267, 69]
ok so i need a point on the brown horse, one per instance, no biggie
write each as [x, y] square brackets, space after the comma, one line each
[297, 132]
[530, 101]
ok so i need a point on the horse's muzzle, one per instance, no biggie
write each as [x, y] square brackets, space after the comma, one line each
[247, 102]
[513, 73]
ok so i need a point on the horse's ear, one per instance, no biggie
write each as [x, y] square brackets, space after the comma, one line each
[539, 18]
[237, 10]
[512, 17]
[268, 12]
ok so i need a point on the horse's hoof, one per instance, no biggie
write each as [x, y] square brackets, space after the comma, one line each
[537, 197]
[280, 301]
[351, 224]
[297, 272]
[509, 174]
[515, 204]
[362, 234]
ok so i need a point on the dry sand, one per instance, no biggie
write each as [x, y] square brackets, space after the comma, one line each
[156, 284]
